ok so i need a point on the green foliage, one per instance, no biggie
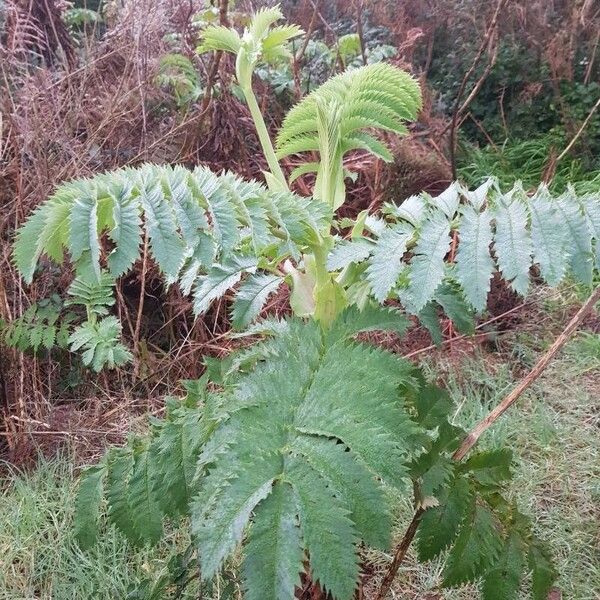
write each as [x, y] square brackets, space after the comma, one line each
[527, 160]
[332, 120]
[96, 295]
[177, 205]
[178, 74]
[278, 447]
[99, 342]
[42, 326]
[203, 230]
[405, 257]
[319, 61]
[466, 512]
[288, 446]
[275, 461]
[147, 480]
[78, 18]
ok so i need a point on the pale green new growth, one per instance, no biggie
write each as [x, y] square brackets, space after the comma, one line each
[334, 118]
[406, 257]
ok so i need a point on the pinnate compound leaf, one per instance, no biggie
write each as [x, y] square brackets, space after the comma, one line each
[476, 548]
[503, 580]
[439, 524]
[87, 506]
[274, 552]
[291, 422]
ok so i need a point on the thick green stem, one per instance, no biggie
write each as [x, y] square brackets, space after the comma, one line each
[263, 136]
[320, 253]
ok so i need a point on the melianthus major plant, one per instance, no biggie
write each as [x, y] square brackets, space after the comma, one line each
[292, 445]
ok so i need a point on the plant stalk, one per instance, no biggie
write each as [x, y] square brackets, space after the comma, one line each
[264, 137]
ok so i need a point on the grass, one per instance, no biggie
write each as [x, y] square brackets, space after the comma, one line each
[39, 557]
[526, 160]
[553, 430]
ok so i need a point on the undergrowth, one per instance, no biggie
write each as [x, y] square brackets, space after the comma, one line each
[527, 161]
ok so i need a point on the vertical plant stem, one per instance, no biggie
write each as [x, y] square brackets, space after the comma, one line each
[400, 554]
[264, 137]
[138, 322]
[485, 424]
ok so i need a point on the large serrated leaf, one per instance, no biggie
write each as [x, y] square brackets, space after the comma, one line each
[273, 557]
[219, 279]
[386, 264]
[87, 506]
[251, 298]
[347, 252]
[439, 524]
[166, 245]
[512, 243]
[474, 265]
[427, 265]
[579, 237]
[548, 237]
[503, 580]
[476, 548]
[126, 233]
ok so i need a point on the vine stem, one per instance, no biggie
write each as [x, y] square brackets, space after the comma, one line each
[474, 435]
